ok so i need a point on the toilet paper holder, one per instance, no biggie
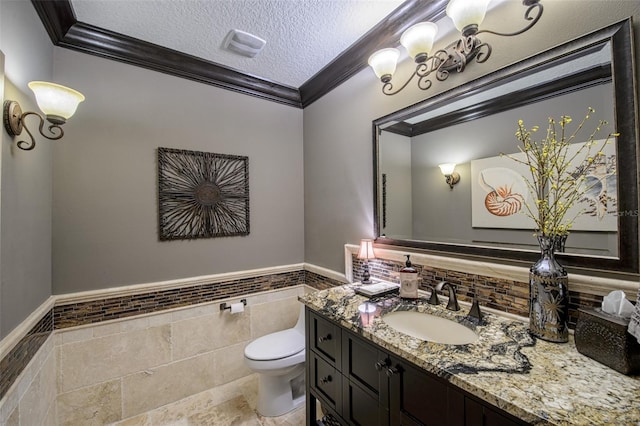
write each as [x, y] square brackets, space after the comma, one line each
[224, 306]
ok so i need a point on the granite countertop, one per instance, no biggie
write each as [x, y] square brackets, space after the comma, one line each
[537, 381]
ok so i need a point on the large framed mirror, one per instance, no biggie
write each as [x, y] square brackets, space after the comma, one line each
[472, 124]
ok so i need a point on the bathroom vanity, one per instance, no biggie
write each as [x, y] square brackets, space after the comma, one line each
[364, 372]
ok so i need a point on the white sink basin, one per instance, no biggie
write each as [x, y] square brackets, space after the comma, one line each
[430, 327]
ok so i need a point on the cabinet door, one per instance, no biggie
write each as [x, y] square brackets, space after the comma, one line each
[361, 406]
[419, 398]
[325, 382]
[481, 414]
[366, 365]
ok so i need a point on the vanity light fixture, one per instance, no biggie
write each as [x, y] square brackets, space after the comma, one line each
[366, 252]
[57, 102]
[467, 15]
[451, 176]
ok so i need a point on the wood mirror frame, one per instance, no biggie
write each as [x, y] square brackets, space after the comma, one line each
[619, 36]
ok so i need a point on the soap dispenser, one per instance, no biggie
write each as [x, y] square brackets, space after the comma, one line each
[409, 281]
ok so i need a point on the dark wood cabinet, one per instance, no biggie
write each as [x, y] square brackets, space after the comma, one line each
[420, 398]
[365, 390]
[359, 383]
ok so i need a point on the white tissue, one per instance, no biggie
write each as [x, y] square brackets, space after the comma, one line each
[236, 308]
[616, 303]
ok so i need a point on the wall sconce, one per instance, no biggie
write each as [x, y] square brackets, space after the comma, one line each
[467, 15]
[366, 252]
[58, 104]
[447, 170]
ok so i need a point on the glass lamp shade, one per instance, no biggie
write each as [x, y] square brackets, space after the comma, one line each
[447, 168]
[418, 39]
[56, 100]
[467, 12]
[366, 250]
[384, 62]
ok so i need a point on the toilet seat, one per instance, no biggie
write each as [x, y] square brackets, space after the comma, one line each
[281, 344]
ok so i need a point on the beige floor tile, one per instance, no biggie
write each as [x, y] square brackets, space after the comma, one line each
[232, 404]
[296, 417]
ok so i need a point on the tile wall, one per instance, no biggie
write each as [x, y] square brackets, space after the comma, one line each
[31, 400]
[501, 294]
[131, 366]
[137, 345]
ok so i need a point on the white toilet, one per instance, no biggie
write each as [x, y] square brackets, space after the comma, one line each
[279, 360]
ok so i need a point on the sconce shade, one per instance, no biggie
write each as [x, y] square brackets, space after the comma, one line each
[366, 250]
[447, 168]
[384, 62]
[464, 13]
[56, 101]
[418, 39]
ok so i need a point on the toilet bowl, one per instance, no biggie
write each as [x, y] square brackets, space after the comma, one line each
[278, 358]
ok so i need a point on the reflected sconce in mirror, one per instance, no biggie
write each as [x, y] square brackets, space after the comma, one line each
[366, 252]
[57, 102]
[467, 16]
[451, 176]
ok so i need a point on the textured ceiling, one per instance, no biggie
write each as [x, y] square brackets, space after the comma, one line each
[302, 35]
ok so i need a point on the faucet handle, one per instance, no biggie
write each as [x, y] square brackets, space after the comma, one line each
[433, 300]
[474, 312]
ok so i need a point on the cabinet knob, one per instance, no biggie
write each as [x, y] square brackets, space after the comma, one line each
[324, 338]
[392, 370]
[326, 380]
[382, 364]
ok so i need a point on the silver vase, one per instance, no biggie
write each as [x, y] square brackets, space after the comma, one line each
[548, 294]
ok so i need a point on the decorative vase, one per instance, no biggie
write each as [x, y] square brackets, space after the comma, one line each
[548, 294]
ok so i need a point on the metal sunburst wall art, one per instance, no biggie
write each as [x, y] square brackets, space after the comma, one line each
[202, 195]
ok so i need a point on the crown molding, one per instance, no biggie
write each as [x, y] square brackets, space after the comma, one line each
[66, 31]
[385, 34]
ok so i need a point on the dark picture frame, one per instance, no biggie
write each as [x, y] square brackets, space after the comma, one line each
[202, 194]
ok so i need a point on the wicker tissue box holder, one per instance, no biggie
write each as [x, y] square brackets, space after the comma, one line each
[604, 338]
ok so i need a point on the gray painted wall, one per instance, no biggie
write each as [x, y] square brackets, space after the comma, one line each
[105, 226]
[337, 128]
[26, 193]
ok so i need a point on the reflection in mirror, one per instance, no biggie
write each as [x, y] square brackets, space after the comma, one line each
[473, 124]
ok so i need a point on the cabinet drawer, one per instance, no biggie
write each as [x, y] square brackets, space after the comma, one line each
[324, 338]
[325, 381]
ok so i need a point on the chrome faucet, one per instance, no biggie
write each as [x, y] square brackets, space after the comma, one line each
[452, 305]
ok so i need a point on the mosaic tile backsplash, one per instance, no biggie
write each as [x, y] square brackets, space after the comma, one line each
[500, 294]
[75, 314]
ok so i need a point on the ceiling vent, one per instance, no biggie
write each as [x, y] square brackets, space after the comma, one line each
[243, 43]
